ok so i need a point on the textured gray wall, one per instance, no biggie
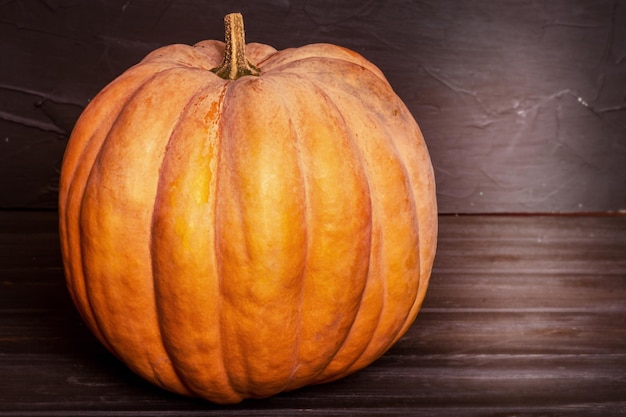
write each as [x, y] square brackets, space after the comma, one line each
[522, 103]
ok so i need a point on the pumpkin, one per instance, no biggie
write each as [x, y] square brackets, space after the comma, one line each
[238, 221]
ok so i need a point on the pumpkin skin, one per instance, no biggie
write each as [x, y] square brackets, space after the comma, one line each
[233, 239]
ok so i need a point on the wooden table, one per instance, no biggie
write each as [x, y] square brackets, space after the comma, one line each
[525, 316]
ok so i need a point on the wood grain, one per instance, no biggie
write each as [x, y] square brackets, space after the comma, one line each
[525, 316]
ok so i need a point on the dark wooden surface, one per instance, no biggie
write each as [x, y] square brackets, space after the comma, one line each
[521, 101]
[525, 316]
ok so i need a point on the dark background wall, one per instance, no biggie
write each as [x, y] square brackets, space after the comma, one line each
[522, 103]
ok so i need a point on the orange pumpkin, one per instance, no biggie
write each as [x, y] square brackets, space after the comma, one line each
[241, 236]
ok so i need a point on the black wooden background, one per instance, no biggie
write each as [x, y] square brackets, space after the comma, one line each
[522, 103]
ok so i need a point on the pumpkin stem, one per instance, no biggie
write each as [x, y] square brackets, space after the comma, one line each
[235, 63]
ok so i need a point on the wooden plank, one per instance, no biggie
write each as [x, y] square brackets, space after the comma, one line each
[524, 316]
